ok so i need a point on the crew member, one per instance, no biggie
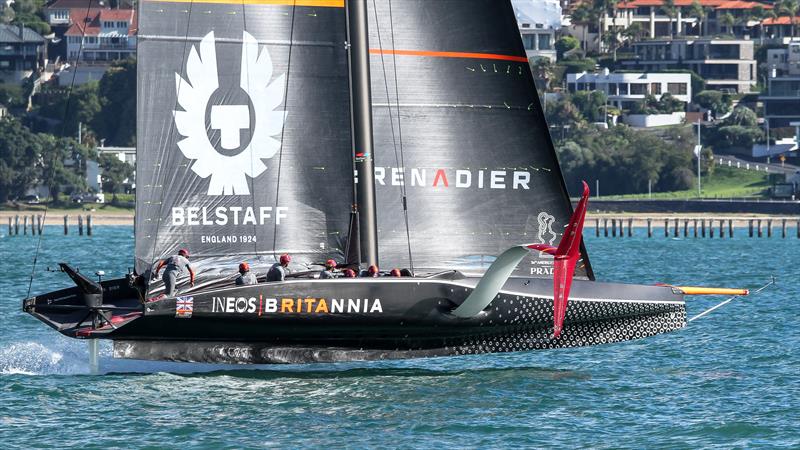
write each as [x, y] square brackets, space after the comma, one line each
[245, 277]
[395, 273]
[278, 270]
[173, 267]
[372, 272]
[328, 272]
[349, 273]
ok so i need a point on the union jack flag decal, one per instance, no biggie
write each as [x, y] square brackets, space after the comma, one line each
[184, 307]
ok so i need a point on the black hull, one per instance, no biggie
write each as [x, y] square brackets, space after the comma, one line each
[301, 321]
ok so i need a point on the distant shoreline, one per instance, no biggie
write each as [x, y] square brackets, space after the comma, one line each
[56, 217]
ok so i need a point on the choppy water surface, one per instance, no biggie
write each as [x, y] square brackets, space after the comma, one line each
[729, 380]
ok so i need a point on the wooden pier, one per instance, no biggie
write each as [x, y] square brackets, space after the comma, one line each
[719, 228]
[37, 223]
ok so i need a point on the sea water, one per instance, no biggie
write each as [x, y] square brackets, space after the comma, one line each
[731, 379]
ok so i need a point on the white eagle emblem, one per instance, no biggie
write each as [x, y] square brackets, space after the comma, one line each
[229, 173]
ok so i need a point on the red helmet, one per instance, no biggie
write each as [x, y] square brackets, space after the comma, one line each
[183, 252]
[244, 267]
[285, 259]
[396, 273]
[348, 273]
[330, 263]
[373, 271]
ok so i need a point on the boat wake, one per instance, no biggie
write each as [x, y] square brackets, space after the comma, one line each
[66, 357]
[35, 358]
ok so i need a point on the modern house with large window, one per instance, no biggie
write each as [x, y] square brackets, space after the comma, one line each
[782, 99]
[538, 22]
[626, 89]
[725, 64]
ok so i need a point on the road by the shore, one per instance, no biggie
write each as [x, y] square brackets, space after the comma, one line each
[56, 217]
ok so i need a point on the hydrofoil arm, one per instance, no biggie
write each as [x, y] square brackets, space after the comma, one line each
[566, 256]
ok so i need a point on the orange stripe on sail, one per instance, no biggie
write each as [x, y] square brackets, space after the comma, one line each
[317, 3]
[377, 51]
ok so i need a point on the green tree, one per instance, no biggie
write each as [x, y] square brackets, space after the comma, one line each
[789, 8]
[634, 32]
[591, 105]
[11, 95]
[115, 172]
[62, 164]
[736, 136]
[562, 115]
[116, 121]
[670, 10]
[70, 108]
[728, 21]
[742, 116]
[626, 159]
[542, 69]
[697, 11]
[565, 44]
[717, 102]
[7, 16]
[582, 15]
[18, 159]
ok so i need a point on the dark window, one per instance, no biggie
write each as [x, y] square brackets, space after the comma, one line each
[544, 42]
[655, 88]
[676, 88]
[529, 40]
[638, 89]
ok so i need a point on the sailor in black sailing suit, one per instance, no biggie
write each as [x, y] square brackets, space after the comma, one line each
[278, 270]
[328, 272]
[173, 267]
[245, 277]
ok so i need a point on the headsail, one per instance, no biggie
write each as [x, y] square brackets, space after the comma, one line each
[243, 131]
[450, 81]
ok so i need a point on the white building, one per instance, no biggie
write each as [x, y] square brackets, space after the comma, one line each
[538, 21]
[625, 89]
[94, 172]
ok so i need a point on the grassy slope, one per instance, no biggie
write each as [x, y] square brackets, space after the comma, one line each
[724, 182]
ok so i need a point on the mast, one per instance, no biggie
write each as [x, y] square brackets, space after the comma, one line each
[361, 105]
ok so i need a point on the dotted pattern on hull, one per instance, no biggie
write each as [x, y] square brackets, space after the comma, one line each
[526, 324]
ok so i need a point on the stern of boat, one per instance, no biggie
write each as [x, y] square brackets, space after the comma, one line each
[88, 310]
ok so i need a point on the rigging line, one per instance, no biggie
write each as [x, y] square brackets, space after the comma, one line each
[400, 136]
[386, 85]
[283, 125]
[252, 180]
[398, 159]
[723, 303]
[169, 132]
[61, 136]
